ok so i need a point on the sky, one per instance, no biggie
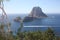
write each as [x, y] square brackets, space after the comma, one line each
[25, 6]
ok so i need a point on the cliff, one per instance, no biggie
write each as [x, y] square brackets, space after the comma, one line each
[35, 13]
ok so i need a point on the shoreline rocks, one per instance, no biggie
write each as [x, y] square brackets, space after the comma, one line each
[17, 19]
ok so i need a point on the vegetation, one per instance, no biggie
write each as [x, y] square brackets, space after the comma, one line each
[38, 35]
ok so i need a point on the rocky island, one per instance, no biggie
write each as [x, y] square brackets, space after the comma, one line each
[35, 13]
[17, 19]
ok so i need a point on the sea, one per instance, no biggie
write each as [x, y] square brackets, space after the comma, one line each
[53, 21]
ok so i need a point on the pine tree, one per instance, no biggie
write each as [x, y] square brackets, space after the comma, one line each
[49, 34]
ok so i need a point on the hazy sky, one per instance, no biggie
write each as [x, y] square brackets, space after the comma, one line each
[25, 6]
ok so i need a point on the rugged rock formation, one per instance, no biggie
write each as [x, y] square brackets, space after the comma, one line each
[35, 13]
[17, 19]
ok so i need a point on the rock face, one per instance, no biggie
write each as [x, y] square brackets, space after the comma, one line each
[35, 13]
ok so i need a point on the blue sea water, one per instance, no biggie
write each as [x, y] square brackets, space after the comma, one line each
[53, 21]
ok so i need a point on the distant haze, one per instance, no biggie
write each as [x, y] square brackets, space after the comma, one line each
[25, 6]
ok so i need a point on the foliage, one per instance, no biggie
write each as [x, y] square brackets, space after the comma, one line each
[49, 34]
[35, 35]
